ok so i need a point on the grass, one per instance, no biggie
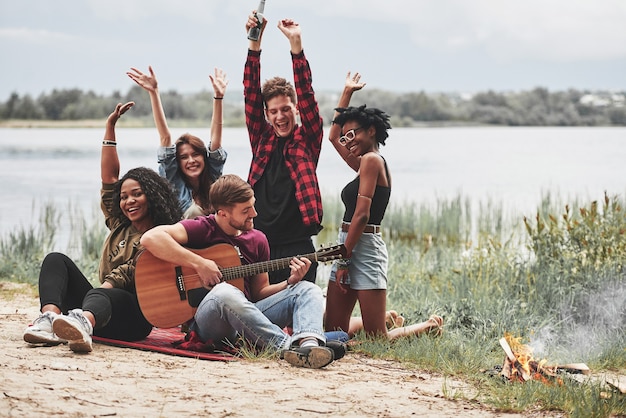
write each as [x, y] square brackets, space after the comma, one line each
[555, 278]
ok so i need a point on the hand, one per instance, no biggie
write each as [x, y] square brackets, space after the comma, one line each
[299, 267]
[290, 28]
[209, 273]
[341, 280]
[253, 21]
[219, 82]
[147, 82]
[353, 83]
[120, 109]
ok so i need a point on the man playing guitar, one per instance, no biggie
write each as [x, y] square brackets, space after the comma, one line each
[261, 311]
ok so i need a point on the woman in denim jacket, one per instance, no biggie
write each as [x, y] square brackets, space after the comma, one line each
[188, 165]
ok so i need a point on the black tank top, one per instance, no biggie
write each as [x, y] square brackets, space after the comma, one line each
[380, 200]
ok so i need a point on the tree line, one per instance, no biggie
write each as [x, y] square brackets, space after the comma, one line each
[537, 107]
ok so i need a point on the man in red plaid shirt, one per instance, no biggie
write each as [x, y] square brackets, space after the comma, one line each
[284, 153]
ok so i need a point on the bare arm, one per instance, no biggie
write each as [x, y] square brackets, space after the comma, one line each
[369, 176]
[109, 160]
[293, 32]
[149, 83]
[166, 242]
[261, 288]
[352, 84]
[219, 82]
[372, 166]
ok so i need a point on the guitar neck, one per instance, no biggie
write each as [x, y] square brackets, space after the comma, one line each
[245, 270]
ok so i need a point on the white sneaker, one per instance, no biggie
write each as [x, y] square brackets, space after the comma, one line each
[76, 329]
[40, 332]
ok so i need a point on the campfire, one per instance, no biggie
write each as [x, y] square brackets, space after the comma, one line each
[519, 364]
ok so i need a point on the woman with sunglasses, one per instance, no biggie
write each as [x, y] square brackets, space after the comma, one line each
[356, 133]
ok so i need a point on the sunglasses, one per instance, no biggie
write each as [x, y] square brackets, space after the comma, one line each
[349, 136]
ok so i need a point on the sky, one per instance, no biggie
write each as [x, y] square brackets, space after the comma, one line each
[460, 46]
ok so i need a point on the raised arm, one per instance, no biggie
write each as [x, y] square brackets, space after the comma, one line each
[109, 160]
[253, 100]
[219, 82]
[293, 32]
[352, 84]
[150, 84]
[252, 22]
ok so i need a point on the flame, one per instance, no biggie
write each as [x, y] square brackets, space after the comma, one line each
[525, 367]
[523, 355]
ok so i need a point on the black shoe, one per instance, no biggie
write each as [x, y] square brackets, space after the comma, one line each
[339, 348]
[314, 357]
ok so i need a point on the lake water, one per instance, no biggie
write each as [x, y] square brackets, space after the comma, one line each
[511, 166]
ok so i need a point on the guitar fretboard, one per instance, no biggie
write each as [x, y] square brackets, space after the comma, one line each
[245, 270]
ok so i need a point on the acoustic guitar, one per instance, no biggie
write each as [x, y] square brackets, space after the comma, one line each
[169, 294]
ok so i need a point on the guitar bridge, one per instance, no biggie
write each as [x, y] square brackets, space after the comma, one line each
[180, 283]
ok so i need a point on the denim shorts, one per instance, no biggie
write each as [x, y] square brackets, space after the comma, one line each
[368, 264]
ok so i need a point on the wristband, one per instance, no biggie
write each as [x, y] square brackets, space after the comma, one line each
[108, 143]
[218, 98]
[343, 264]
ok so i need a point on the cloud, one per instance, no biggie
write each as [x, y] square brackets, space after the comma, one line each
[437, 45]
[547, 30]
[34, 36]
[558, 31]
[194, 10]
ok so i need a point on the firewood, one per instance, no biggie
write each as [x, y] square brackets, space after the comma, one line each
[574, 368]
[617, 384]
[506, 368]
[515, 364]
[507, 349]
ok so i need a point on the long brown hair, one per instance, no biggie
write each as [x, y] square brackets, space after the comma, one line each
[202, 194]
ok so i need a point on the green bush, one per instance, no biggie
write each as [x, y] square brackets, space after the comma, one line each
[23, 250]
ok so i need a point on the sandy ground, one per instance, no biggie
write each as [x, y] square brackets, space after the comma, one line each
[111, 381]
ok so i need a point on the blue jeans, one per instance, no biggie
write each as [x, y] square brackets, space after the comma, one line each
[225, 315]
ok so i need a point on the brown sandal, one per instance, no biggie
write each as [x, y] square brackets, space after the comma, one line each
[437, 329]
[393, 320]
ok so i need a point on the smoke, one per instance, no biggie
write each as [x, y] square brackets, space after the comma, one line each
[587, 328]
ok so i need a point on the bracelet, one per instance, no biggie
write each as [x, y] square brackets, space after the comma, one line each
[287, 282]
[218, 98]
[343, 264]
[107, 143]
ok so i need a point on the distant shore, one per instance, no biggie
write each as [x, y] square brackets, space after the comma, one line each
[21, 123]
[99, 123]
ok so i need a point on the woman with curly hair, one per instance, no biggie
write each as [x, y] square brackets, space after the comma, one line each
[71, 309]
[189, 165]
[356, 133]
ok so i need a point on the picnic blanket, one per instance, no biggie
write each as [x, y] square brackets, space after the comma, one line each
[174, 342]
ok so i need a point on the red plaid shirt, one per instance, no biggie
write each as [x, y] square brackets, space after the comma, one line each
[302, 150]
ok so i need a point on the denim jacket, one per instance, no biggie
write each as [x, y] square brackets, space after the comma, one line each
[168, 168]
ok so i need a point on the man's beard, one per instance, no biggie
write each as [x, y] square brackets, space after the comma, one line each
[246, 226]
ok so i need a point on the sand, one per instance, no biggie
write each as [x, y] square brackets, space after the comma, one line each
[112, 381]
